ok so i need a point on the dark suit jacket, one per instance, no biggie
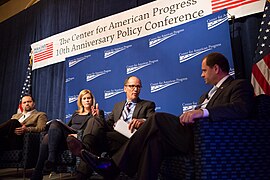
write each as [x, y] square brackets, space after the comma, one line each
[143, 109]
[36, 121]
[162, 135]
[232, 100]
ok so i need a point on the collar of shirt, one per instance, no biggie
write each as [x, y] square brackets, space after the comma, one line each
[25, 115]
[222, 81]
[28, 113]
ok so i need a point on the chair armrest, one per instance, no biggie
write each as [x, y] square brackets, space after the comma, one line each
[30, 149]
[232, 149]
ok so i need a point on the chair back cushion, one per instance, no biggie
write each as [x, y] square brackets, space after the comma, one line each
[262, 107]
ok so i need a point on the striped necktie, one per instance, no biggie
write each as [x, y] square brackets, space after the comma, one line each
[126, 111]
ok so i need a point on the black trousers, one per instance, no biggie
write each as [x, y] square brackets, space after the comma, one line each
[8, 139]
[98, 138]
[160, 136]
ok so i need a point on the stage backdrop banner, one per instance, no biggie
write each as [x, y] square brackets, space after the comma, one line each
[132, 24]
[168, 63]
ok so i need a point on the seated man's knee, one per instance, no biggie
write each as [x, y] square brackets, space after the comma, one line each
[160, 117]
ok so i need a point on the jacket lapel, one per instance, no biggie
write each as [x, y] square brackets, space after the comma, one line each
[223, 86]
[119, 110]
[29, 117]
[137, 108]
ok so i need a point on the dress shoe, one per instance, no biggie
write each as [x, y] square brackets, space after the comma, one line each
[49, 166]
[36, 175]
[81, 176]
[74, 145]
[103, 166]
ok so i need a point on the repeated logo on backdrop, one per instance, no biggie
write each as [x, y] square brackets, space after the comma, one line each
[168, 63]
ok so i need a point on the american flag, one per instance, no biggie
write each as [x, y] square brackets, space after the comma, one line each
[44, 52]
[260, 78]
[27, 83]
[218, 5]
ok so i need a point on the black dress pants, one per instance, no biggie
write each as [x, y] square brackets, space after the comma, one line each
[99, 138]
[160, 136]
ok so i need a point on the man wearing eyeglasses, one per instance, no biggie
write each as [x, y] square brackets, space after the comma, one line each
[99, 135]
[165, 134]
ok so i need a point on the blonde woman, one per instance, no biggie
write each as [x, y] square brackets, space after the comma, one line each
[57, 132]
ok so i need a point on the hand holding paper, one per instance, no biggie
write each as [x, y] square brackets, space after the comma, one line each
[122, 127]
[135, 124]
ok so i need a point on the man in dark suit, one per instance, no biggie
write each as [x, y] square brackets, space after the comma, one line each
[30, 120]
[166, 135]
[99, 135]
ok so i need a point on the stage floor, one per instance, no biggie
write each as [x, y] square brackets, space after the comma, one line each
[12, 173]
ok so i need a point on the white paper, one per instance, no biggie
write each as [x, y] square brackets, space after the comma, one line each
[122, 127]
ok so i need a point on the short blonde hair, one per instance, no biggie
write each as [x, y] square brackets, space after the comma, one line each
[79, 101]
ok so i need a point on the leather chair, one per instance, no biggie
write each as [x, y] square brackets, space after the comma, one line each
[23, 158]
[228, 149]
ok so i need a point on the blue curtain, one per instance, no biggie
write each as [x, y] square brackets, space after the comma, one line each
[244, 35]
[50, 17]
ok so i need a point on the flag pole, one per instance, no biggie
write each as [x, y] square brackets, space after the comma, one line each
[26, 89]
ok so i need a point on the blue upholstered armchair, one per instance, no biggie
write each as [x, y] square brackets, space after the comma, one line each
[229, 149]
[23, 158]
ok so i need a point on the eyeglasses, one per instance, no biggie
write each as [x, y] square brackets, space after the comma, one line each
[134, 86]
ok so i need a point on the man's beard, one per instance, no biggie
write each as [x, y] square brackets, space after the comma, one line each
[27, 109]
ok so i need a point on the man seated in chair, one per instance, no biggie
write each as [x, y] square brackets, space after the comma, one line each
[165, 135]
[100, 136]
[30, 120]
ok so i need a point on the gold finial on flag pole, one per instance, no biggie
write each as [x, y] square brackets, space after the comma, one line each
[31, 54]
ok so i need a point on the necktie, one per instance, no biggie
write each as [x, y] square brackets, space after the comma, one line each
[126, 111]
[209, 96]
[212, 92]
